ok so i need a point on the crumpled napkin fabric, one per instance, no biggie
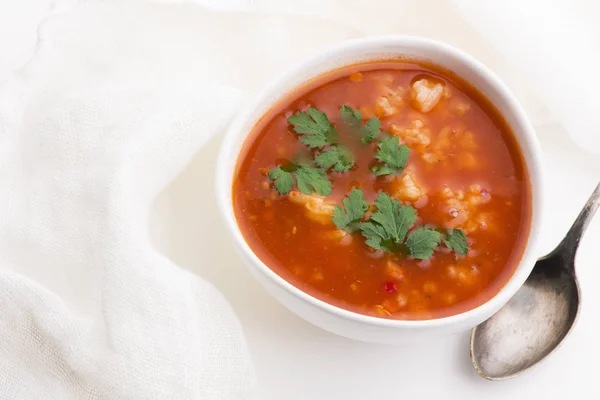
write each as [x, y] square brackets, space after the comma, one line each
[90, 132]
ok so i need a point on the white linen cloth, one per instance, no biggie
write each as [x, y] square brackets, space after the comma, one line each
[102, 104]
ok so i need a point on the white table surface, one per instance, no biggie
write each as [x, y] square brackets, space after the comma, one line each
[296, 360]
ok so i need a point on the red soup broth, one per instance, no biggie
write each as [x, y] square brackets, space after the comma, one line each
[465, 171]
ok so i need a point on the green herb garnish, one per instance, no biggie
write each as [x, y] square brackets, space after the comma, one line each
[457, 241]
[393, 156]
[310, 179]
[387, 227]
[338, 157]
[317, 132]
[283, 180]
[368, 132]
[314, 128]
[355, 207]
[307, 179]
[421, 243]
[351, 117]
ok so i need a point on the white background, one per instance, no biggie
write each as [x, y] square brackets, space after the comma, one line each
[295, 360]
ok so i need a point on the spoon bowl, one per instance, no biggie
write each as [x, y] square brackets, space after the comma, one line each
[531, 325]
[539, 316]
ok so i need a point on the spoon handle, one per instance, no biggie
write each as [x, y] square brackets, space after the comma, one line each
[570, 243]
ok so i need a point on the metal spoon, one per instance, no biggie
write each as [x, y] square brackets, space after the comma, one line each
[540, 315]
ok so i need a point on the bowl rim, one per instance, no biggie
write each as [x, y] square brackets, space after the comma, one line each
[528, 139]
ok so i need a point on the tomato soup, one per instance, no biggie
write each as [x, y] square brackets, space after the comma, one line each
[392, 189]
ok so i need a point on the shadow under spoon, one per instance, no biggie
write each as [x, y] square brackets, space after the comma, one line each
[539, 316]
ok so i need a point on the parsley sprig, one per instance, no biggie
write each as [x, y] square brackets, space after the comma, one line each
[457, 241]
[350, 116]
[307, 178]
[422, 241]
[353, 118]
[388, 226]
[393, 157]
[349, 217]
[314, 128]
[317, 132]
[338, 157]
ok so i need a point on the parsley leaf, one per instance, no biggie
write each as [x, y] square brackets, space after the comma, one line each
[355, 207]
[380, 170]
[284, 181]
[395, 219]
[457, 241]
[310, 179]
[316, 131]
[393, 156]
[338, 157]
[387, 227]
[369, 131]
[314, 128]
[350, 116]
[421, 242]
[376, 236]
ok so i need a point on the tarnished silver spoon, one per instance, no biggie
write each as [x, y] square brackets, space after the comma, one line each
[539, 316]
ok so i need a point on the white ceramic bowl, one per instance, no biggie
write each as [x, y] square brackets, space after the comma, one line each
[341, 321]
